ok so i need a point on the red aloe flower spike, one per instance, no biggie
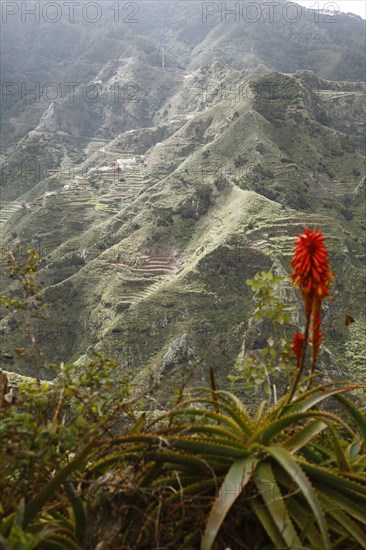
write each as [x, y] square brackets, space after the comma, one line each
[317, 335]
[312, 275]
[297, 346]
[311, 271]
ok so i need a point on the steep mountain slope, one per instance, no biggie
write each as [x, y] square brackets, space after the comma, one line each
[222, 162]
[49, 54]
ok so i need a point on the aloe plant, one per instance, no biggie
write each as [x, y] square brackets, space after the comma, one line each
[269, 467]
[53, 530]
[206, 474]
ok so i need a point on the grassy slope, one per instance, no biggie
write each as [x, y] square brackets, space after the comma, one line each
[192, 220]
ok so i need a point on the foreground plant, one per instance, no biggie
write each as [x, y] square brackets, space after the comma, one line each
[25, 274]
[46, 441]
[312, 275]
[207, 473]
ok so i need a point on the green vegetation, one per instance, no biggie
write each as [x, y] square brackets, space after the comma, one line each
[85, 463]
[173, 275]
[229, 165]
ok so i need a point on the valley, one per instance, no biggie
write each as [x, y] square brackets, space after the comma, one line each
[151, 207]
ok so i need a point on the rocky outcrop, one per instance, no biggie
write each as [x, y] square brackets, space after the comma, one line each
[178, 353]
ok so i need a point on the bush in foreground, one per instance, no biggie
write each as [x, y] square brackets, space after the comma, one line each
[81, 472]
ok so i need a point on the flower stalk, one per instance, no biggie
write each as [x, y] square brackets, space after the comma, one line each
[312, 275]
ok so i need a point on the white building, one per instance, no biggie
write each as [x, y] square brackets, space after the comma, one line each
[126, 164]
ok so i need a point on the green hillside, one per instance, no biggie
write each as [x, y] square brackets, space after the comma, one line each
[244, 136]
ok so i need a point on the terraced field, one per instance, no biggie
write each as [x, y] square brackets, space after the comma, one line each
[280, 234]
[149, 271]
[7, 210]
[163, 249]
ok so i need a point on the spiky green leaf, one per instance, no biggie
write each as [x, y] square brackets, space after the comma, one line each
[357, 415]
[36, 504]
[285, 460]
[236, 479]
[344, 484]
[275, 504]
[353, 530]
[214, 447]
[347, 505]
[302, 438]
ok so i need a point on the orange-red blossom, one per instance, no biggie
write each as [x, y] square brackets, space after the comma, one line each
[312, 274]
[297, 346]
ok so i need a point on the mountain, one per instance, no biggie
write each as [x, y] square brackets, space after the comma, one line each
[229, 136]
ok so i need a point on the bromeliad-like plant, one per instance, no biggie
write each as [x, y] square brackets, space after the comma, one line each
[208, 474]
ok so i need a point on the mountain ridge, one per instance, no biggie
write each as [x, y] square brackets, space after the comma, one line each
[229, 164]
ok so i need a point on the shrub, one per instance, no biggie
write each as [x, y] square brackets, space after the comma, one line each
[347, 214]
[82, 467]
[240, 160]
